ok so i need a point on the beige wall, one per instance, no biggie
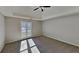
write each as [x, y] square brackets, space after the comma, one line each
[2, 32]
[13, 29]
[64, 28]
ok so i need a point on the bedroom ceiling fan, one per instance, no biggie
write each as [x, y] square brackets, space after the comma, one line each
[41, 7]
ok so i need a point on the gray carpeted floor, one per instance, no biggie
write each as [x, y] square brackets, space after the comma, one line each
[48, 45]
[45, 45]
[11, 47]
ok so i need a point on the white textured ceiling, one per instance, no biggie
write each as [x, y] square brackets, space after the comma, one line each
[21, 11]
[28, 13]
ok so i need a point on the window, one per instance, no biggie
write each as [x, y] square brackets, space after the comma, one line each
[26, 29]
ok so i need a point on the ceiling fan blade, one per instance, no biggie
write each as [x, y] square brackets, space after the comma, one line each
[35, 9]
[45, 6]
[42, 10]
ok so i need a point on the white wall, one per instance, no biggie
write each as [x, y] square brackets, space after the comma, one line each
[65, 28]
[2, 32]
[13, 28]
[36, 28]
